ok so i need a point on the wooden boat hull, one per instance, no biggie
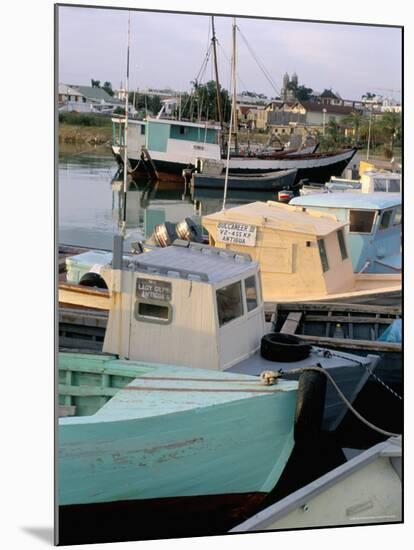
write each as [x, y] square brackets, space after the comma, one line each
[273, 182]
[155, 518]
[365, 490]
[174, 436]
[349, 371]
[316, 167]
[83, 296]
[382, 295]
[350, 328]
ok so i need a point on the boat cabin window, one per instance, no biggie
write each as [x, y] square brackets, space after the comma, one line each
[153, 312]
[342, 245]
[380, 184]
[361, 221]
[251, 293]
[322, 253]
[229, 303]
[397, 216]
[143, 130]
[394, 186]
[385, 219]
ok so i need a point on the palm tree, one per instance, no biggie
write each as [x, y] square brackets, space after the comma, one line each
[357, 121]
[390, 127]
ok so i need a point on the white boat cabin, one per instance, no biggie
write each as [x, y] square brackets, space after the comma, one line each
[370, 182]
[188, 304]
[300, 253]
[168, 141]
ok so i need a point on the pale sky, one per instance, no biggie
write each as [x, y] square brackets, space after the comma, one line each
[167, 50]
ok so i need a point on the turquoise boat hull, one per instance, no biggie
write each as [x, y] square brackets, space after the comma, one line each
[174, 440]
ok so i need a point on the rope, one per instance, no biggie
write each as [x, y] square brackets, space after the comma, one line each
[341, 395]
[261, 66]
[374, 376]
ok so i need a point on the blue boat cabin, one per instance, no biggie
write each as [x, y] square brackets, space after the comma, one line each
[374, 226]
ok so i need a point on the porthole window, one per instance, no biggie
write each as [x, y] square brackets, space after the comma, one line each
[153, 312]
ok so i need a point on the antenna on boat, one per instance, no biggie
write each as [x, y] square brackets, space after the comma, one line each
[126, 132]
[232, 113]
[214, 42]
[118, 244]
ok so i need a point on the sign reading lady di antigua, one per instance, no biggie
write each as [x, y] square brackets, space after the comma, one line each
[236, 233]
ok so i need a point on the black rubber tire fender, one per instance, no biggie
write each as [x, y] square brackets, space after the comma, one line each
[310, 405]
[279, 346]
[93, 280]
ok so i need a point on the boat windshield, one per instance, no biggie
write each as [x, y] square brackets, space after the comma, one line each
[394, 186]
[229, 303]
[361, 221]
[251, 293]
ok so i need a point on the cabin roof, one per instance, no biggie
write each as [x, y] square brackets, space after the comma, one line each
[282, 217]
[368, 201]
[384, 175]
[194, 261]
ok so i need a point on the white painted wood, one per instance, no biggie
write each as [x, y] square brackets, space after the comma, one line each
[286, 247]
[366, 489]
[193, 338]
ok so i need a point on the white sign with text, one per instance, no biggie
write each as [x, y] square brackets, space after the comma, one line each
[236, 233]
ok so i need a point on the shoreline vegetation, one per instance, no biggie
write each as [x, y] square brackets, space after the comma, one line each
[82, 128]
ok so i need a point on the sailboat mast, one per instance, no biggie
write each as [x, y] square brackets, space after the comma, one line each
[126, 131]
[235, 121]
[233, 115]
[218, 94]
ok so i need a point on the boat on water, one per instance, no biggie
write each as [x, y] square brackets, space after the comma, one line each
[370, 182]
[304, 255]
[139, 441]
[353, 328]
[367, 489]
[216, 323]
[315, 167]
[176, 145]
[374, 226]
[283, 180]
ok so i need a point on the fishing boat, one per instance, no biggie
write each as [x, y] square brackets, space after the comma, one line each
[218, 278]
[140, 441]
[169, 145]
[304, 255]
[370, 182]
[277, 181]
[176, 145]
[315, 167]
[352, 328]
[374, 226]
[366, 489]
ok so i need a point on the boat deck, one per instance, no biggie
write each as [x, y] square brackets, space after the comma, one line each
[161, 389]
[256, 364]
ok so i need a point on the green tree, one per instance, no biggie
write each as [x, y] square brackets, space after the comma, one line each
[107, 86]
[303, 93]
[357, 121]
[202, 103]
[389, 126]
[95, 83]
[334, 137]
